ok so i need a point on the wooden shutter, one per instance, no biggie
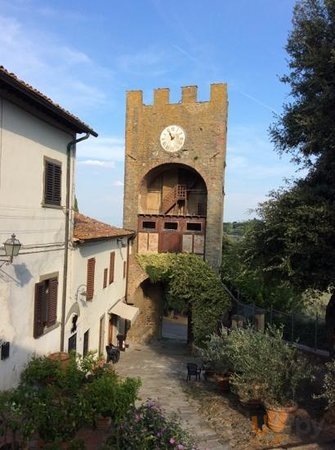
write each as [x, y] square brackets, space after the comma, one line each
[105, 278]
[52, 183]
[90, 278]
[39, 309]
[111, 267]
[52, 302]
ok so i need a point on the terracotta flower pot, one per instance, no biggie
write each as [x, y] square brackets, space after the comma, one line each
[63, 357]
[278, 418]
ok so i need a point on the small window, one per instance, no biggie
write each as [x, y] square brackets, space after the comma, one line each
[86, 341]
[45, 311]
[149, 225]
[124, 269]
[105, 278]
[52, 182]
[4, 350]
[171, 226]
[72, 343]
[193, 226]
[111, 267]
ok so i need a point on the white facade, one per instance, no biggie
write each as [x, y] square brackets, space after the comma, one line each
[94, 316]
[27, 139]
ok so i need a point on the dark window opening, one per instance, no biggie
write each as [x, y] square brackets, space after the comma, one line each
[149, 225]
[111, 267]
[74, 323]
[4, 350]
[193, 226]
[86, 340]
[105, 278]
[72, 343]
[171, 225]
[52, 183]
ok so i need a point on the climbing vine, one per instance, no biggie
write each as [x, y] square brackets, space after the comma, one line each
[189, 282]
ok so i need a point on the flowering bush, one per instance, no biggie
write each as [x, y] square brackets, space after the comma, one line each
[148, 428]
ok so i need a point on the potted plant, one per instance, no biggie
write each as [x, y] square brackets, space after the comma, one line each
[247, 358]
[269, 369]
[217, 358]
[110, 397]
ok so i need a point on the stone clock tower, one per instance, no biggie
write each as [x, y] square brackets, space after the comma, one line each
[174, 172]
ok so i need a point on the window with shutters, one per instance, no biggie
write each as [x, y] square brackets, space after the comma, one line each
[90, 279]
[45, 311]
[52, 182]
[111, 267]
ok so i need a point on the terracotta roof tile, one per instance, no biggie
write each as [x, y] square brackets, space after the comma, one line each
[45, 102]
[86, 229]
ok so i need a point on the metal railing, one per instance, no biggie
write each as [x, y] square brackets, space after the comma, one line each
[299, 328]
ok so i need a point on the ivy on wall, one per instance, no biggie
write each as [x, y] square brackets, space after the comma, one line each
[189, 282]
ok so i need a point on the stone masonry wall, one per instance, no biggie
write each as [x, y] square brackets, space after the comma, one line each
[205, 125]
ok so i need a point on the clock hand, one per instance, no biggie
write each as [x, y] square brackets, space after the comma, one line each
[172, 137]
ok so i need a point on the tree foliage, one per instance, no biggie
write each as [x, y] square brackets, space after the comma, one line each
[295, 239]
[306, 127]
[246, 274]
[189, 281]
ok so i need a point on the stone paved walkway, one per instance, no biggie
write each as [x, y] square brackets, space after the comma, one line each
[162, 368]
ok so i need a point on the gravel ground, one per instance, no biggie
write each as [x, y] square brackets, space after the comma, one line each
[244, 428]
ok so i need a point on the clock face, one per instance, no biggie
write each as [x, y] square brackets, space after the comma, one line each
[172, 138]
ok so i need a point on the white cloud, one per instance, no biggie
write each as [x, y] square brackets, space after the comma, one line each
[97, 163]
[65, 74]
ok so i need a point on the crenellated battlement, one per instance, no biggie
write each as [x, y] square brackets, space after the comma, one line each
[189, 94]
[174, 170]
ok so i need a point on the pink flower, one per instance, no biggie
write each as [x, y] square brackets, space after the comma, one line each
[172, 441]
[180, 447]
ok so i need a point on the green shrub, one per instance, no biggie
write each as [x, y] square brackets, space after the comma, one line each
[111, 396]
[265, 367]
[148, 428]
[328, 386]
[55, 401]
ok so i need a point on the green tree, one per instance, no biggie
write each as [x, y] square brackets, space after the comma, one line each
[75, 204]
[298, 235]
[306, 127]
[245, 272]
[296, 239]
[294, 242]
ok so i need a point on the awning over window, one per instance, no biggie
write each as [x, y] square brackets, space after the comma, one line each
[125, 311]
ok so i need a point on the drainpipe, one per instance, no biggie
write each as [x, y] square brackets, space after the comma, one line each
[70, 146]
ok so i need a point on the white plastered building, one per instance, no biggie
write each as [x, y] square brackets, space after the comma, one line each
[37, 148]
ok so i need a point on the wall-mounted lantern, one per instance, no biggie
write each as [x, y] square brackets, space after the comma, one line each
[12, 247]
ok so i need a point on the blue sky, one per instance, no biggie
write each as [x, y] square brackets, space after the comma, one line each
[85, 55]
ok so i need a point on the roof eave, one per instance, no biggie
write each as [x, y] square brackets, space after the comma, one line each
[72, 122]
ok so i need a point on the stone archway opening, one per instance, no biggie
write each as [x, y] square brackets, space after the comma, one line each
[154, 320]
[172, 210]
